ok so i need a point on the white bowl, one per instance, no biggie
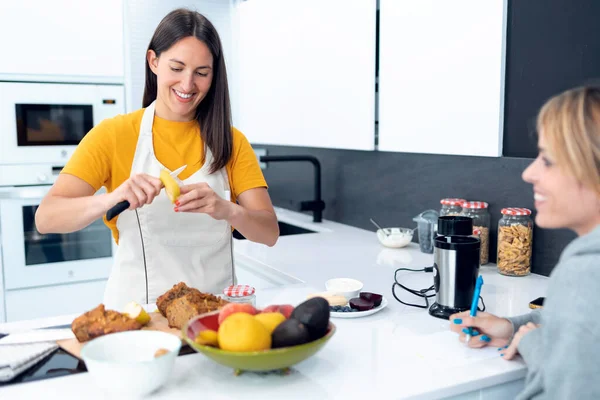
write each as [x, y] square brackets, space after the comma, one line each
[347, 287]
[398, 237]
[124, 363]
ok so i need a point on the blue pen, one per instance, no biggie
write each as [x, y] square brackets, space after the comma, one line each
[474, 303]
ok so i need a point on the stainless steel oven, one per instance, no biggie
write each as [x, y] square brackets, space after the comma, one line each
[42, 123]
[31, 259]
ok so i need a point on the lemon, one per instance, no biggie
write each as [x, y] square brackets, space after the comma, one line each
[171, 186]
[270, 320]
[241, 332]
[137, 312]
[207, 337]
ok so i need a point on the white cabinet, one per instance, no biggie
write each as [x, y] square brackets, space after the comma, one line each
[62, 40]
[306, 72]
[53, 301]
[441, 76]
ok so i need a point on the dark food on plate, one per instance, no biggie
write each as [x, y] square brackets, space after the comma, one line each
[314, 314]
[374, 297]
[99, 322]
[290, 332]
[181, 303]
[361, 304]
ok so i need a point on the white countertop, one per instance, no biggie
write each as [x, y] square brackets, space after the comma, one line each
[402, 351]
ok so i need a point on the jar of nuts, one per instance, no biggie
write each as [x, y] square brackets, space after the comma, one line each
[515, 242]
[478, 211]
[451, 207]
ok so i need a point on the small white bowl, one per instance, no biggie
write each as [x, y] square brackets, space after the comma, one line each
[396, 238]
[347, 287]
[124, 363]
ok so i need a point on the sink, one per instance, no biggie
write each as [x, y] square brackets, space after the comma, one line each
[285, 229]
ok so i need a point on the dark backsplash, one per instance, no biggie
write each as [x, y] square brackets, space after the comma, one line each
[392, 188]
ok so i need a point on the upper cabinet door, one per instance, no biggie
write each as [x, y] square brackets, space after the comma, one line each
[441, 76]
[307, 72]
[62, 40]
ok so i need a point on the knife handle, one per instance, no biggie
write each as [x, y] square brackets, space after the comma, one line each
[117, 209]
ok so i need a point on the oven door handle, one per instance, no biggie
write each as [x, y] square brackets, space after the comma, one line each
[25, 192]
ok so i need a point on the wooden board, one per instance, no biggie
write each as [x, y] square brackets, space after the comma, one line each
[157, 323]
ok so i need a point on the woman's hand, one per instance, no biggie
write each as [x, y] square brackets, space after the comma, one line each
[200, 198]
[488, 329]
[513, 350]
[138, 190]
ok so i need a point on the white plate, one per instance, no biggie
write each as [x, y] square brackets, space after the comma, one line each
[358, 314]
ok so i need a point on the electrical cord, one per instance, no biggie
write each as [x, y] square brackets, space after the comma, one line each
[422, 293]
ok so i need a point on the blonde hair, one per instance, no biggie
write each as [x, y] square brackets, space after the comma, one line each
[570, 123]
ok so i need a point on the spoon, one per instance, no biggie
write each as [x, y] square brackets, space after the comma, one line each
[378, 227]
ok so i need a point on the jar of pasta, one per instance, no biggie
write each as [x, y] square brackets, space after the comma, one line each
[451, 207]
[478, 211]
[515, 242]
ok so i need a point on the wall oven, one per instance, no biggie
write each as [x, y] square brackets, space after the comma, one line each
[31, 259]
[42, 123]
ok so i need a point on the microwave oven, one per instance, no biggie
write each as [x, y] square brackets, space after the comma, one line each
[42, 123]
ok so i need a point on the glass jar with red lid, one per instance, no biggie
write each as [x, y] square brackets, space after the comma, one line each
[515, 242]
[451, 206]
[478, 211]
[240, 294]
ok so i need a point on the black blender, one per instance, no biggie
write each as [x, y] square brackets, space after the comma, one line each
[456, 266]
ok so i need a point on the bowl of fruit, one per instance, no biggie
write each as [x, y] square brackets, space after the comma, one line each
[247, 339]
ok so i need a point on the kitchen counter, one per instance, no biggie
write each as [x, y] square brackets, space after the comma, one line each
[402, 351]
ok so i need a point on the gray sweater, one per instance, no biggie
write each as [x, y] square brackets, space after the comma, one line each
[563, 355]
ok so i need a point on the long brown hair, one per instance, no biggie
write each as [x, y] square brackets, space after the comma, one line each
[214, 111]
[570, 122]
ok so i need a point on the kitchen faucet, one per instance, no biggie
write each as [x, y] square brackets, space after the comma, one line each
[317, 205]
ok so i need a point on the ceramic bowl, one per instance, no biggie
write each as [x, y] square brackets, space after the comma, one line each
[265, 360]
[124, 363]
[395, 237]
[347, 287]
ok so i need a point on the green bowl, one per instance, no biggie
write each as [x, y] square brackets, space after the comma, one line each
[265, 360]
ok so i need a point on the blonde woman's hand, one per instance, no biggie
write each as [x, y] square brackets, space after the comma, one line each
[488, 329]
[200, 198]
[513, 349]
[138, 190]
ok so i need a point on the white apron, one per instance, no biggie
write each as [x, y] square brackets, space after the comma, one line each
[159, 247]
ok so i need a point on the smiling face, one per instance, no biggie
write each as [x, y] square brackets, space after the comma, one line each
[561, 200]
[184, 74]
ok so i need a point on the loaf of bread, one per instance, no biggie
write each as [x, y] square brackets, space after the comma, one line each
[99, 322]
[182, 303]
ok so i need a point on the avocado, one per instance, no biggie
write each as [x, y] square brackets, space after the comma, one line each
[314, 314]
[290, 332]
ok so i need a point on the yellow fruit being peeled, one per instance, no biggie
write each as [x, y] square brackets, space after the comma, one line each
[242, 332]
[270, 320]
[137, 312]
[171, 186]
[207, 337]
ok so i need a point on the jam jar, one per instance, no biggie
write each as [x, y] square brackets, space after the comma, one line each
[478, 211]
[451, 207]
[515, 242]
[240, 294]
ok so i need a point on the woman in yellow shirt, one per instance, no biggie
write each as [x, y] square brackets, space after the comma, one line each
[186, 120]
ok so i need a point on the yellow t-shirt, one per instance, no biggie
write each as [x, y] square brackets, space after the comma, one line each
[105, 155]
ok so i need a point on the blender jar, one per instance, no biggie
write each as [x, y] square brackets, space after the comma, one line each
[427, 226]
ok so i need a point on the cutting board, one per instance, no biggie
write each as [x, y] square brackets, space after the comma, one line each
[157, 323]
